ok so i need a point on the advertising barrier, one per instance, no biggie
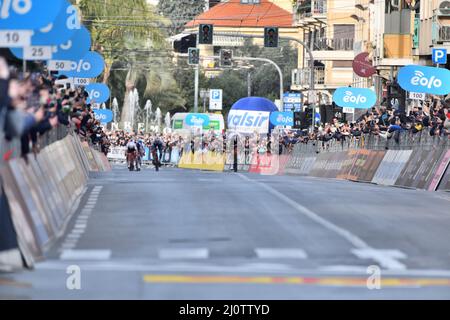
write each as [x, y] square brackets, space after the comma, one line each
[391, 167]
[419, 170]
[328, 164]
[41, 191]
[300, 164]
[210, 161]
[365, 165]
[444, 184]
[442, 166]
[269, 164]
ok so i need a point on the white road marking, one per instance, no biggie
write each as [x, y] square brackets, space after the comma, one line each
[200, 253]
[386, 258]
[68, 246]
[80, 226]
[73, 236]
[89, 207]
[250, 268]
[79, 231]
[85, 255]
[209, 180]
[280, 253]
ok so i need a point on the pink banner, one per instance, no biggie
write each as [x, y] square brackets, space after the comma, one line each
[439, 171]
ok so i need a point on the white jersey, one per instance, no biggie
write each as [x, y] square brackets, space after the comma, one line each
[131, 145]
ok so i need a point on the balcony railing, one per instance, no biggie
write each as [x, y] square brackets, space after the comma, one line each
[444, 33]
[301, 77]
[339, 44]
[309, 8]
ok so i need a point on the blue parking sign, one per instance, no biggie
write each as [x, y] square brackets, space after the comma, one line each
[439, 55]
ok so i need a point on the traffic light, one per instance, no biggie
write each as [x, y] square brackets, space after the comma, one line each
[194, 56]
[271, 37]
[396, 97]
[205, 33]
[226, 58]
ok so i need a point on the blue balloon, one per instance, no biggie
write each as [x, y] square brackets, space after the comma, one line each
[75, 48]
[197, 119]
[282, 118]
[90, 66]
[62, 29]
[28, 14]
[103, 115]
[98, 92]
[422, 79]
[358, 98]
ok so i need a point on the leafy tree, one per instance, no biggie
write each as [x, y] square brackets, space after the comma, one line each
[131, 35]
[180, 12]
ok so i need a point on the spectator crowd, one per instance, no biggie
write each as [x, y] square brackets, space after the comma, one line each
[33, 104]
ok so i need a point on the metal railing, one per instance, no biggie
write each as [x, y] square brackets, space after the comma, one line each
[309, 8]
[301, 77]
[405, 140]
[11, 149]
[444, 33]
[330, 44]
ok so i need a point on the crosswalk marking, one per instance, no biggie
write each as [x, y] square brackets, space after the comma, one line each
[85, 255]
[280, 253]
[200, 253]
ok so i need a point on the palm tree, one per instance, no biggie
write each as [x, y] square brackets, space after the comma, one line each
[130, 33]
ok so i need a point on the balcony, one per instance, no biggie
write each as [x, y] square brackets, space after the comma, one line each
[339, 44]
[443, 35]
[301, 77]
[326, 49]
[304, 10]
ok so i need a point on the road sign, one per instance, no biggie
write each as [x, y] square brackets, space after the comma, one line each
[81, 81]
[362, 65]
[348, 110]
[417, 96]
[292, 101]
[215, 99]
[439, 55]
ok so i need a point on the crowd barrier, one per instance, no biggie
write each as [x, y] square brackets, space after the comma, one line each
[42, 190]
[169, 156]
[418, 161]
[210, 161]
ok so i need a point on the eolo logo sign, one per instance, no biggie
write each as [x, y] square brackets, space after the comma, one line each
[354, 97]
[422, 79]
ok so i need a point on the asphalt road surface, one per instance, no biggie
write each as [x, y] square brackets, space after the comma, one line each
[180, 234]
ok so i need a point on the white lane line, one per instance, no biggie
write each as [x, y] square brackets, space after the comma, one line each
[280, 253]
[85, 255]
[353, 239]
[386, 258]
[200, 253]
